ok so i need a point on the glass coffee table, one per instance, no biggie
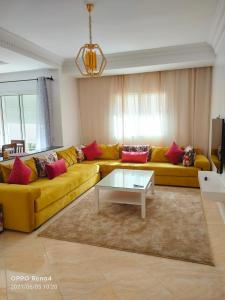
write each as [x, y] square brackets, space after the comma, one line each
[126, 187]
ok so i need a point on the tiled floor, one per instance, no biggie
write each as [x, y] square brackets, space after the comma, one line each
[90, 273]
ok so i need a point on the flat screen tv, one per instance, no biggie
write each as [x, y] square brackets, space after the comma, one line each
[218, 144]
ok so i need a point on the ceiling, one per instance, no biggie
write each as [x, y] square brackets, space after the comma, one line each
[14, 62]
[118, 25]
[61, 26]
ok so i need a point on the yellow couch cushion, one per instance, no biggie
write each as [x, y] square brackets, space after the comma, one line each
[158, 154]
[42, 215]
[109, 151]
[161, 169]
[216, 161]
[168, 169]
[7, 168]
[31, 164]
[5, 171]
[69, 155]
[53, 190]
[202, 162]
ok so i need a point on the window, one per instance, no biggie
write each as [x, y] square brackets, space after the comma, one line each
[143, 116]
[18, 119]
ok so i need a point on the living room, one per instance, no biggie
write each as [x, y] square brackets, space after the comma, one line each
[112, 149]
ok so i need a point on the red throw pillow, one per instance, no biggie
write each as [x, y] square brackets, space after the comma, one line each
[20, 173]
[174, 154]
[138, 157]
[92, 151]
[56, 168]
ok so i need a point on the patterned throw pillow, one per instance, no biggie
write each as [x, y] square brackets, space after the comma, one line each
[137, 148]
[80, 153]
[189, 156]
[44, 159]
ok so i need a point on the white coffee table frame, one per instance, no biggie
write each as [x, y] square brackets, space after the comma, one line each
[133, 194]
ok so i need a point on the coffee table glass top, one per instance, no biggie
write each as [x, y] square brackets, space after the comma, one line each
[126, 179]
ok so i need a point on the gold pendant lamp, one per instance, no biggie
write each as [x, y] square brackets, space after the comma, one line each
[90, 59]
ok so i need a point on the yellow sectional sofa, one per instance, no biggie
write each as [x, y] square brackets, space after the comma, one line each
[165, 172]
[26, 207]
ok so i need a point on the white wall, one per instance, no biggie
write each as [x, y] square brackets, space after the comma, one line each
[218, 87]
[30, 86]
[218, 90]
[70, 110]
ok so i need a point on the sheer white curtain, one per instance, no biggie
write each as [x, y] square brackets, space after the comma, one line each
[144, 109]
[154, 108]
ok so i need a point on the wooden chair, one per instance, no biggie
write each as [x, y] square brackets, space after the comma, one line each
[20, 145]
[8, 149]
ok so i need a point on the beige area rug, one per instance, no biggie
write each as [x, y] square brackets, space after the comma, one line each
[174, 227]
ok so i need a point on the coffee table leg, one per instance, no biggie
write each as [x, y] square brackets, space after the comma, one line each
[143, 205]
[153, 184]
[97, 199]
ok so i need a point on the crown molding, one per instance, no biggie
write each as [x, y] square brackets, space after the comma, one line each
[182, 56]
[15, 43]
[217, 32]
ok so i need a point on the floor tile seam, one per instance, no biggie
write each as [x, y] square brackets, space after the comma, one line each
[6, 281]
[172, 291]
[147, 289]
[48, 265]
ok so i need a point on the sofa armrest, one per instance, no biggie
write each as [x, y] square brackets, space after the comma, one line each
[202, 162]
[18, 206]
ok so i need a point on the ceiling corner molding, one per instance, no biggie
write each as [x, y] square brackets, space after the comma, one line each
[15, 43]
[217, 32]
[173, 57]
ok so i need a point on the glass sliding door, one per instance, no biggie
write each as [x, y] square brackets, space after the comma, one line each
[11, 113]
[29, 120]
[18, 120]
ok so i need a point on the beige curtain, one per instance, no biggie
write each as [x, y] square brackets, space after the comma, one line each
[155, 108]
[100, 100]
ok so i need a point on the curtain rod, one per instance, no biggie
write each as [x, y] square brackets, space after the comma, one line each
[31, 79]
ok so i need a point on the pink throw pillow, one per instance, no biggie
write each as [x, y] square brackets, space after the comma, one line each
[137, 157]
[92, 151]
[56, 168]
[20, 173]
[174, 154]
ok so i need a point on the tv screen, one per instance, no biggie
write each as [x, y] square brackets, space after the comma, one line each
[218, 144]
